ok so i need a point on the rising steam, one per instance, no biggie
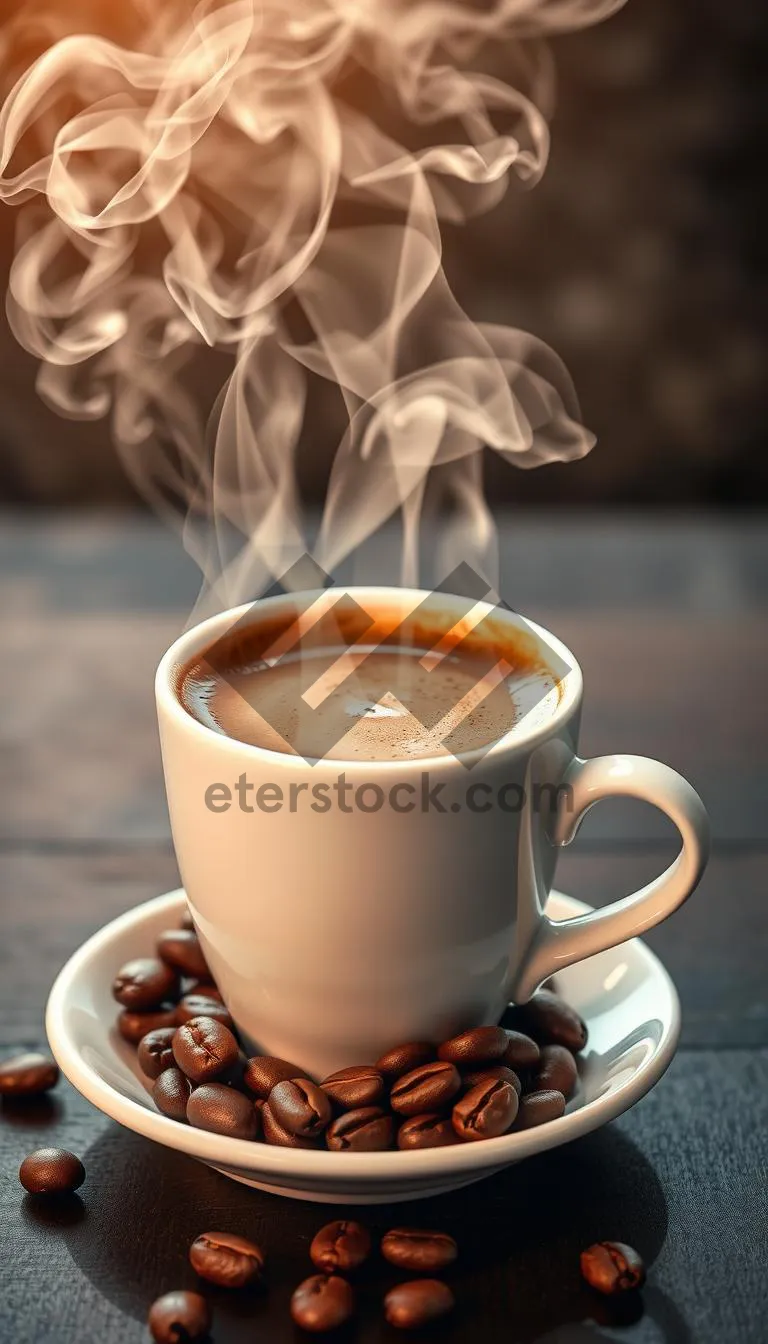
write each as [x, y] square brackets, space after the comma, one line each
[200, 174]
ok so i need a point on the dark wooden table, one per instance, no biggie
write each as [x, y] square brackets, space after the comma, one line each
[668, 617]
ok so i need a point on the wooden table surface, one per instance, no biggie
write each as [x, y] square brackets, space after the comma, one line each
[668, 617]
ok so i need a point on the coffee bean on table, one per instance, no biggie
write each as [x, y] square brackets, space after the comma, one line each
[197, 1005]
[28, 1074]
[361, 1085]
[537, 1108]
[415, 1304]
[171, 1093]
[342, 1245]
[155, 1054]
[132, 1026]
[486, 1110]
[479, 1046]
[323, 1302]
[556, 1071]
[145, 983]
[223, 1110]
[522, 1052]
[203, 1048]
[204, 988]
[179, 1318]
[426, 1131]
[418, 1249]
[483, 1073]
[552, 1021]
[301, 1107]
[181, 949]
[427, 1088]
[276, 1134]
[404, 1058]
[368, 1130]
[226, 1260]
[612, 1267]
[263, 1072]
[51, 1171]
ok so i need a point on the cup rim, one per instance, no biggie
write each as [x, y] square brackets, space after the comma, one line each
[199, 636]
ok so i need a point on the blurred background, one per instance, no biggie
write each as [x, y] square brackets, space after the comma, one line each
[641, 258]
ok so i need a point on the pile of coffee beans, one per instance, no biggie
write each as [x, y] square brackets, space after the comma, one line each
[479, 1085]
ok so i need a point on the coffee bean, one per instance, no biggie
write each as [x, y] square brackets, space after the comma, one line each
[145, 983]
[556, 1071]
[204, 988]
[521, 1051]
[276, 1134]
[498, 1071]
[155, 1053]
[486, 1110]
[368, 1130]
[552, 1021]
[342, 1245]
[300, 1107]
[427, 1088]
[132, 1026]
[222, 1110]
[417, 1249]
[179, 1318]
[226, 1260]
[203, 1048]
[322, 1303]
[612, 1267]
[404, 1058]
[171, 1093]
[426, 1131]
[51, 1171]
[480, 1046]
[412, 1305]
[28, 1074]
[263, 1072]
[199, 1005]
[355, 1087]
[536, 1108]
[181, 949]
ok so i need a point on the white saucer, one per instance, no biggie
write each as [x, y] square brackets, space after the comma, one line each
[625, 996]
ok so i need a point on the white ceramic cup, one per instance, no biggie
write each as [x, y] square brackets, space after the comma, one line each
[336, 934]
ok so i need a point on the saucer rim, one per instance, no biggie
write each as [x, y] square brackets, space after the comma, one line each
[260, 1159]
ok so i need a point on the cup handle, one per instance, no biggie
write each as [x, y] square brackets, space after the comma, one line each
[559, 943]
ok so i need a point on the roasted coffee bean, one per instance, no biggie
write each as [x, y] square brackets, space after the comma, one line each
[552, 1021]
[361, 1085]
[300, 1107]
[223, 1110]
[612, 1267]
[198, 1005]
[500, 1072]
[412, 1305]
[427, 1088]
[483, 1045]
[181, 949]
[145, 983]
[426, 1131]
[417, 1249]
[342, 1245]
[368, 1130]
[522, 1052]
[171, 1093]
[322, 1303]
[404, 1059]
[204, 1048]
[536, 1108]
[51, 1171]
[276, 1134]
[226, 1260]
[155, 1054]
[179, 1318]
[132, 1026]
[486, 1110]
[263, 1072]
[28, 1074]
[556, 1071]
[204, 988]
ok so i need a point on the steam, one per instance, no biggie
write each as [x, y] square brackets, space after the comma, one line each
[193, 180]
